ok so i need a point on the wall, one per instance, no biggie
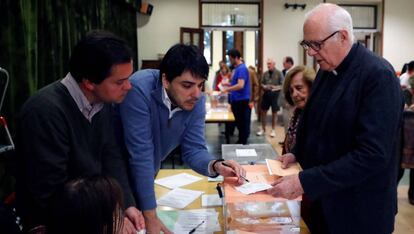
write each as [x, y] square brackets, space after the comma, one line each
[158, 32]
[249, 48]
[282, 29]
[398, 32]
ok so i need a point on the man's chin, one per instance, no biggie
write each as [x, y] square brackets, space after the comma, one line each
[187, 107]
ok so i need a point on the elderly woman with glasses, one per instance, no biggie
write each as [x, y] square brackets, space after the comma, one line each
[296, 88]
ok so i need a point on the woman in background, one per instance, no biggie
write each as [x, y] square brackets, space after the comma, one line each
[296, 88]
[222, 77]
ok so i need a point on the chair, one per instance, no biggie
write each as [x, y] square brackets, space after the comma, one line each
[8, 145]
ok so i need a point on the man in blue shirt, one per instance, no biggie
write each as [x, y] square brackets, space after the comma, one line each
[239, 96]
[165, 109]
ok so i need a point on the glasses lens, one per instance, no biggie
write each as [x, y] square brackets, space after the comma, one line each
[315, 45]
[304, 45]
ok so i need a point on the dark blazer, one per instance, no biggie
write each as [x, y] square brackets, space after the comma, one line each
[349, 152]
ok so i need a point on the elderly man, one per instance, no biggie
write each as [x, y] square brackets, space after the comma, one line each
[348, 134]
[271, 84]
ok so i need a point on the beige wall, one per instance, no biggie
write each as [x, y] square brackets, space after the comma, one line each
[282, 29]
[399, 32]
[158, 32]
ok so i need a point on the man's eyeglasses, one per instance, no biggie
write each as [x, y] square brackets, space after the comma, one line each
[315, 45]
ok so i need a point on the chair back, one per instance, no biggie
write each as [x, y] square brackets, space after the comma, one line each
[4, 82]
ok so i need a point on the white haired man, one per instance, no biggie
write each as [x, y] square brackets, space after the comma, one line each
[347, 137]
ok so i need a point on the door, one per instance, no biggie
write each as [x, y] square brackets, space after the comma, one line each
[192, 36]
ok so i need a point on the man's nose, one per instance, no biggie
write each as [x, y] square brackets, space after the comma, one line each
[197, 92]
[127, 85]
[311, 52]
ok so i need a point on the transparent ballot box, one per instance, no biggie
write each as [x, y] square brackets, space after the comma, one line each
[218, 100]
[258, 212]
[248, 154]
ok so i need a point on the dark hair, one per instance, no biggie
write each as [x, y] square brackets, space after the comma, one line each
[93, 56]
[308, 77]
[289, 59]
[404, 68]
[410, 66]
[234, 53]
[90, 205]
[181, 58]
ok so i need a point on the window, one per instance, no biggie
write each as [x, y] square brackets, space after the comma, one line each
[208, 46]
[363, 16]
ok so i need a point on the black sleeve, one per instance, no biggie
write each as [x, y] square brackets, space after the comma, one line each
[42, 152]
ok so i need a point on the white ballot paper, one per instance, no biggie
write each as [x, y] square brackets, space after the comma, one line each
[216, 179]
[178, 180]
[198, 221]
[179, 198]
[246, 153]
[211, 200]
[249, 188]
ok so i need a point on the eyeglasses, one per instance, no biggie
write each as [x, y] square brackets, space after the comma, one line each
[315, 45]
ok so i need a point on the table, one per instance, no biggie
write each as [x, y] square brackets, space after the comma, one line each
[202, 185]
[219, 114]
[264, 151]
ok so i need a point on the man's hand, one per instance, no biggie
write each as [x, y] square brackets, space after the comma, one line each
[288, 187]
[231, 168]
[135, 217]
[286, 159]
[251, 104]
[128, 227]
[154, 224]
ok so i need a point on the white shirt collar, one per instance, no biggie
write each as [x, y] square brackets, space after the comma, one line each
[167, 102]
[80, 99]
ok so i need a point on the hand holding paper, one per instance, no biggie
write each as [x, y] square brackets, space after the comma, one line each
[231, 168]
[288, 187]
[275, 167]
[286, 159]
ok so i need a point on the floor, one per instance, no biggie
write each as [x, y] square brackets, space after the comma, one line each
[404, 223]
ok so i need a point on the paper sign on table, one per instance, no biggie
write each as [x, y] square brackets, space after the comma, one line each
[246, 153]
[178, 180]
[275, 168]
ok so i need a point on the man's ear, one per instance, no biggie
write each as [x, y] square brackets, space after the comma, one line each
[344, 35]
[88, 85]
[165, 82]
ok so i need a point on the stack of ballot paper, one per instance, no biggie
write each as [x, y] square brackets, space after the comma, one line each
[178, 197]
[275, 168]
